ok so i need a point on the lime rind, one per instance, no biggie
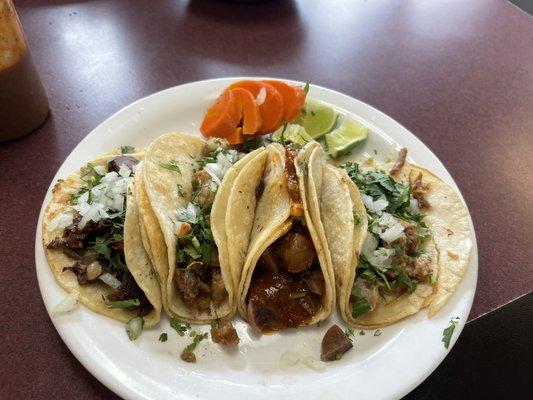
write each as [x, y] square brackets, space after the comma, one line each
[317, 118]
[291, 133]
[348, 135]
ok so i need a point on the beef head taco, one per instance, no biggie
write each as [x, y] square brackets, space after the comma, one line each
[287, 280]
[92, 241]
[188, 183]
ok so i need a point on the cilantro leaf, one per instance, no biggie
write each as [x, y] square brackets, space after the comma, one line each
[127, 149]
[122, 303]
[178, 326]
[170, 165]
[360, 307]
[448, 332]
[197, 339]
[163, 337]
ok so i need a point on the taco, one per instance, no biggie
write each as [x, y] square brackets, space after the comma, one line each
[188, 182]
[287, 279]
[92, 242]
[411, 241]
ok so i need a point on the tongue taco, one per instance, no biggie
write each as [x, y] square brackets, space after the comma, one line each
[287, 279]
[188, 182]
[91, 235]
[410, 240]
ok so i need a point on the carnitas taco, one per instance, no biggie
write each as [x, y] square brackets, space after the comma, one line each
[188, 183]
[410, 246]
[91, 236]
[287, 279]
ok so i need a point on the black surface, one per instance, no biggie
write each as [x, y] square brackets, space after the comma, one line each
[526, 5]
[491, 360]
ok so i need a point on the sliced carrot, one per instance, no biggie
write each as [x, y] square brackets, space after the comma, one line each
[221, 117]
[237, 137]
[249, 110]
[271, 108]
[293, 99]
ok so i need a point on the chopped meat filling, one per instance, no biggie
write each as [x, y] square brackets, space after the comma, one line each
[334, 344]
[287, 284]
[419, 190]
[188, 356]
[225, 334]
[296, 252]
[400, 161]
[117, 162]
[290, 174]
[87, 268]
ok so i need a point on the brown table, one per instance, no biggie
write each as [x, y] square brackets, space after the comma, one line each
[458, 75]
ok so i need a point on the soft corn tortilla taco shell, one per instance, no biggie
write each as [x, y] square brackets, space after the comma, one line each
[138, 261]
[449, 250]
[90, 295]
[151, 234]
[449, 221]
[272, 220]
[169, 190]
[233, 211]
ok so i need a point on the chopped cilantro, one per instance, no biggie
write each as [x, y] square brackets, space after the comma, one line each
[350, 333]
[362, 333]
[127, 149]
[360, 307]
[338, 355]
[163, 337]
[448, 332]
[122, 303]
[197, 339]
[178, 326]
[306, 87]
[170, 165]
[377, 332]
[356, 217]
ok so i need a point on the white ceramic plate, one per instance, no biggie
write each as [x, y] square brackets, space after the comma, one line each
[379, 367]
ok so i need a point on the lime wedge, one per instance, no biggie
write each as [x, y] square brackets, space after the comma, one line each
[345, 137]
[291, 133]
[317, 118]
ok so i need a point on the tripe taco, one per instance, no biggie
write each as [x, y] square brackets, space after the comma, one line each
[287, 280]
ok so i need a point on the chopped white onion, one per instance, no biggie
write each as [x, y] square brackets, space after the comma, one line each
[388, 228]
[60, 222]
[214, 170]
[108, 196]
[66, 305]
[261, 96]
[313, 363]
[375, 206]
[109, 280]
[193, 211]
[134, 327]
[413, 205]
[124, 171]
[289, 359]
[382, 257]
[392, 234]
[369, 245]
